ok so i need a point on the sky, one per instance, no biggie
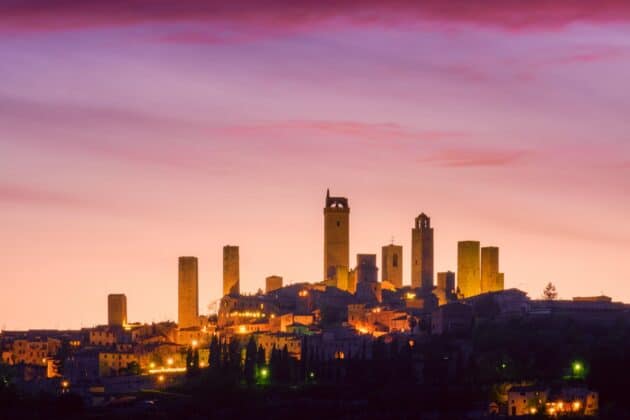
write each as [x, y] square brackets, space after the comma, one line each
[133, 132]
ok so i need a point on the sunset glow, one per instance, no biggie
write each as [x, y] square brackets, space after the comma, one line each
[132, 133]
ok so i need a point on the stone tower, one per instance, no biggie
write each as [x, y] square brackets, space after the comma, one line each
[188, 293]
[273, 283]
[336, 234]
[446, 281]
[468, 270]
[490, 269]
[392, 265]
[367, 271]
[231, 271]
[117, 310]
[501, 282]
[422, 253]
[445, 290]
[368, 288]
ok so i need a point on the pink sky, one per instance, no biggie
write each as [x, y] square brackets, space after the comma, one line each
[131, 135]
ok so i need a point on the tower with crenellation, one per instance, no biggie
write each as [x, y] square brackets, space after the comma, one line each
[336, 235]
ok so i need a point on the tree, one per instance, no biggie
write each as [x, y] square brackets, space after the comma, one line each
[549, 293]
[285, 365]
[274, 363]
[234, 356]
[192, 361]
[195, 359]
[214, 359]
[250, 361]
[260, 357]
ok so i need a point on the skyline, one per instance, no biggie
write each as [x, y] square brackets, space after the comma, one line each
[127, 141]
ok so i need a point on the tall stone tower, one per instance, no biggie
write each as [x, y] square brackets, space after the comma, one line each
[231, 271]
[392, 265]
[468, 270]
[422, 253]
[188, 293]
[490, 269]
[336, 234]
[117, 310]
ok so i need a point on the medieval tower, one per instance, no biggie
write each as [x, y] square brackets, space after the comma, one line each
[468, 270]
[336, 235]
[392, 265]
[231, 270]
[422, 253]
[490, 269]
[188, 293]
[117, 310]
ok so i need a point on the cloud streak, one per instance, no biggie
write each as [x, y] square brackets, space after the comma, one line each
[38, 15]
[19, 194]
[347, 129]
[476, 157]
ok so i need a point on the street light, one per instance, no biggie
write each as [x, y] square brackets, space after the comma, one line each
[578, 368]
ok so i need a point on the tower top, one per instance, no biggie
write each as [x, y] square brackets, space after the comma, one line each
[423, 222]
[336, 202]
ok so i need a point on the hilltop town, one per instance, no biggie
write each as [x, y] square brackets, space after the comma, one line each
[352, 323]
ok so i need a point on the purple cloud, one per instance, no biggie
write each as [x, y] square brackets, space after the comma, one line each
[38, 15]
